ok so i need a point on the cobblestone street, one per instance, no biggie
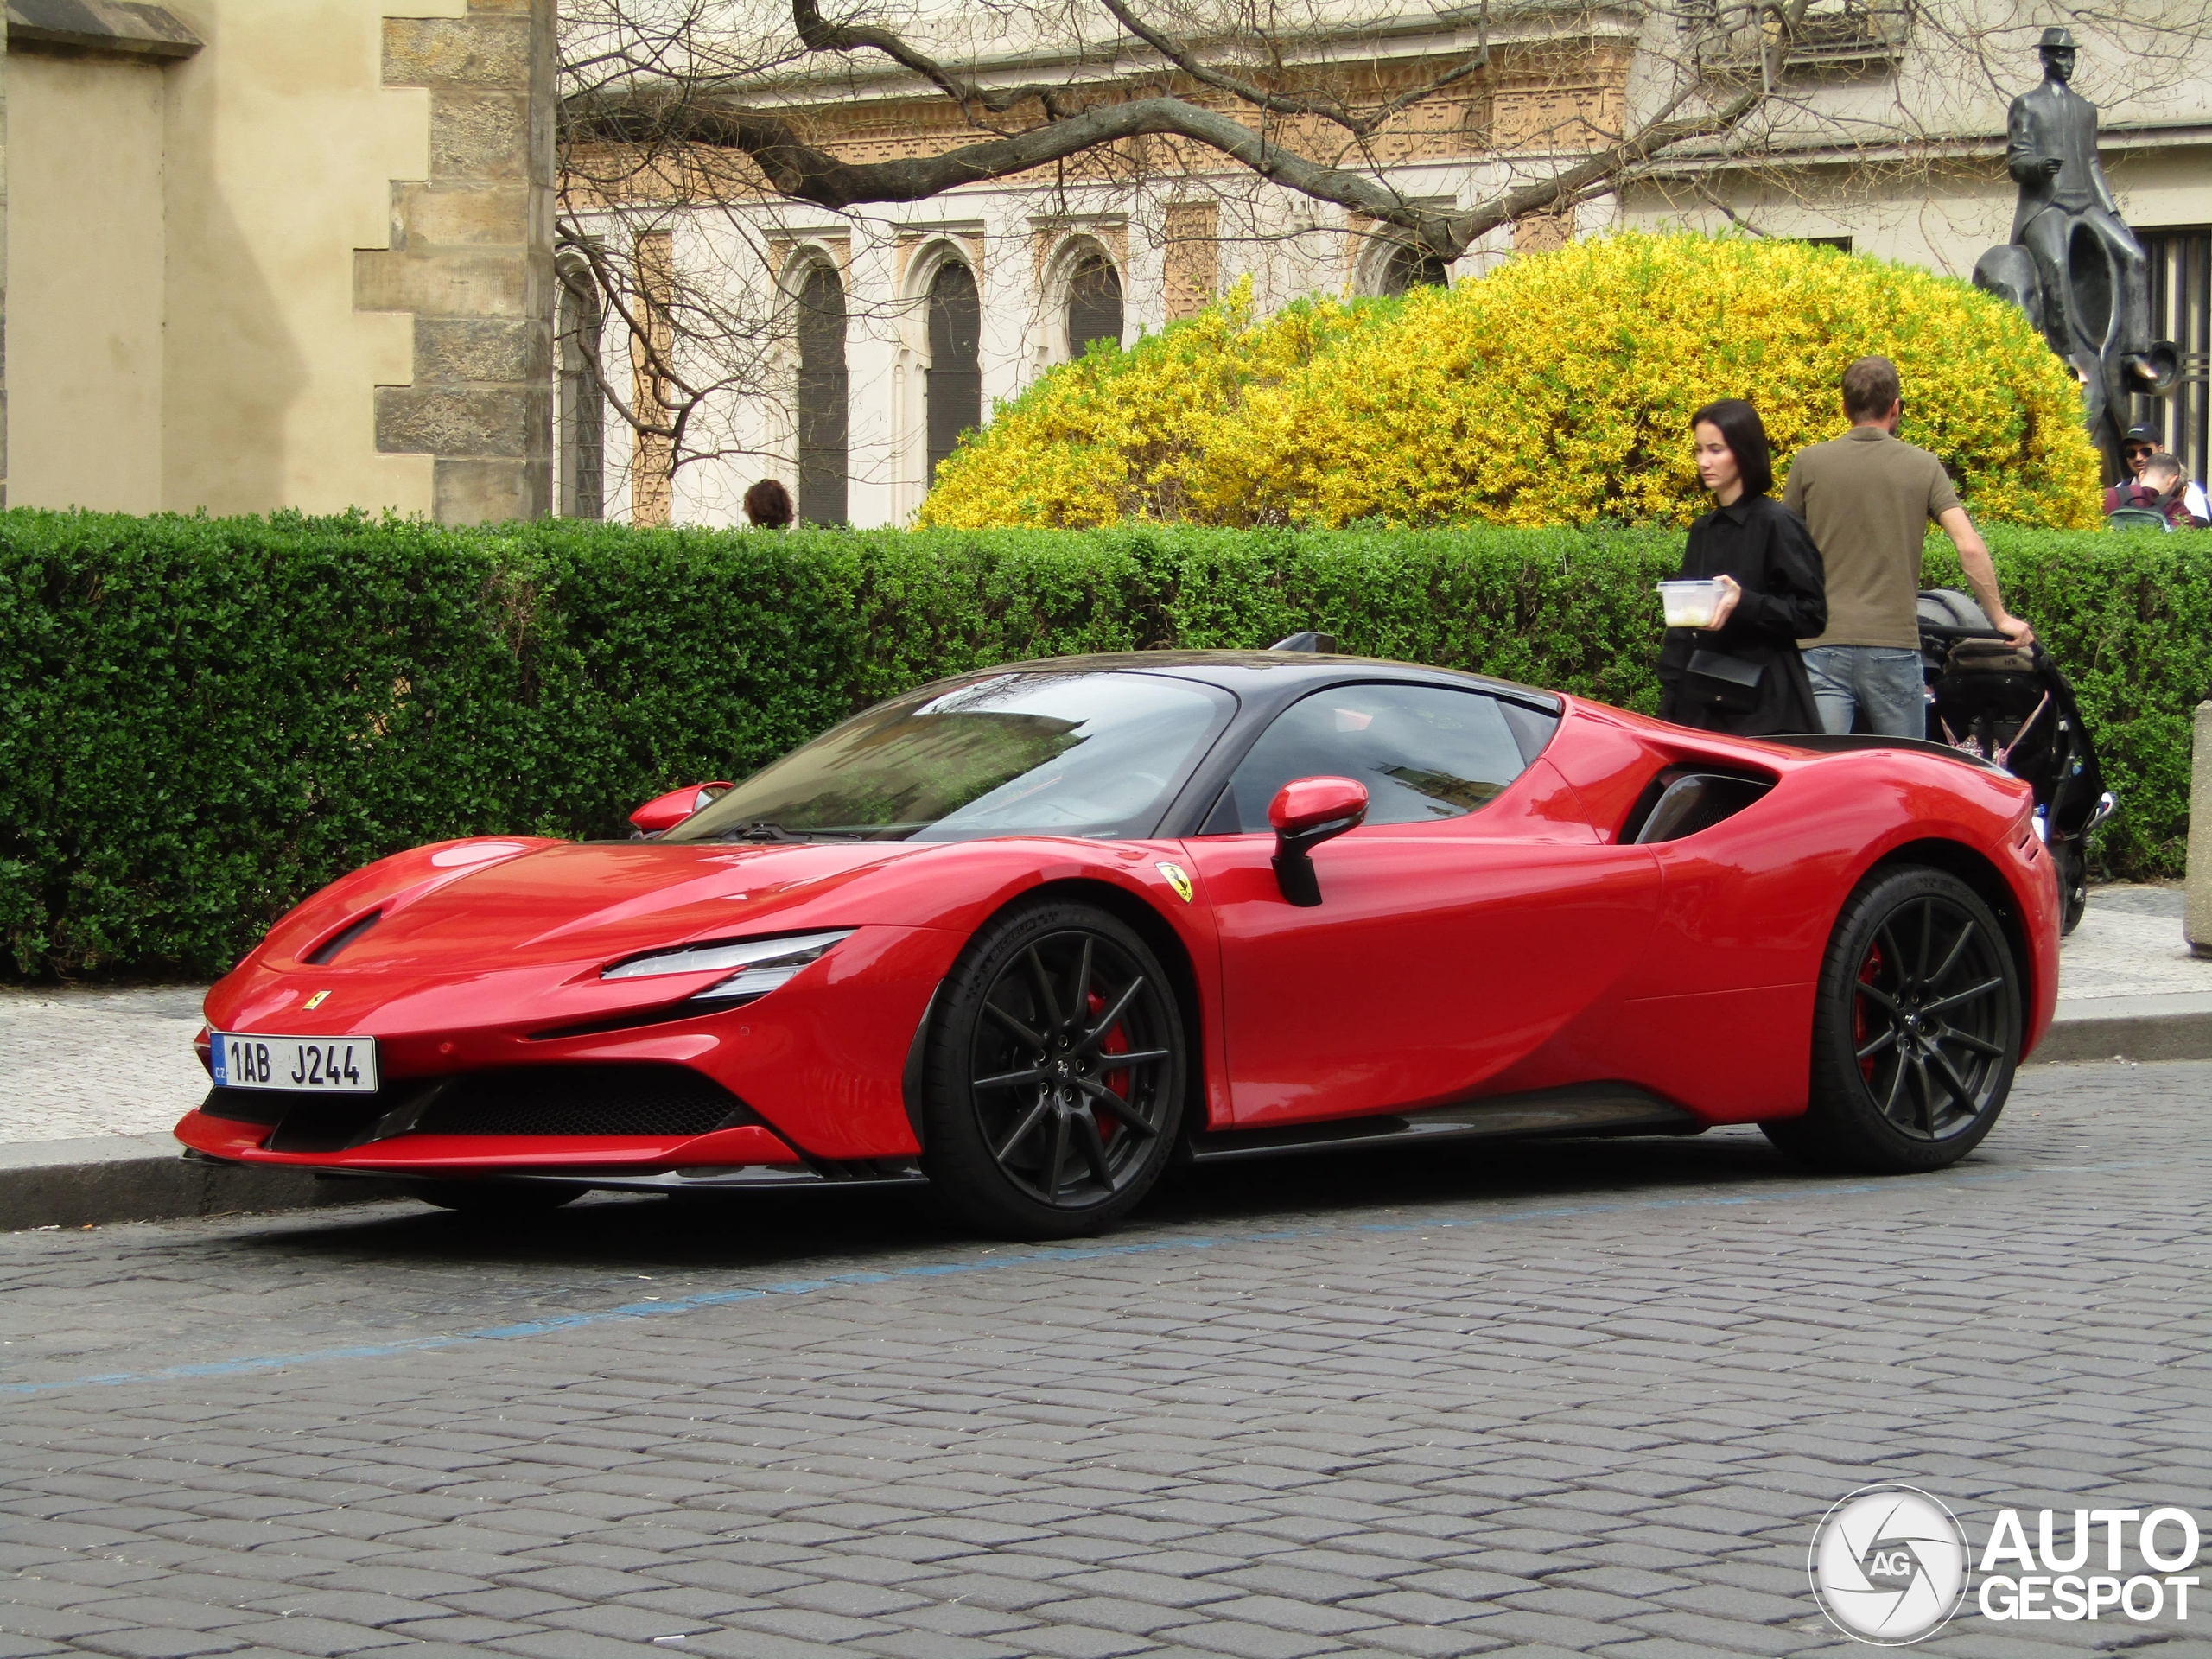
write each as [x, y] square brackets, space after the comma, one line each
[1583, 1397]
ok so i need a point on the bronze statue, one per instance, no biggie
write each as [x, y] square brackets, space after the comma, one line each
[2072, 266]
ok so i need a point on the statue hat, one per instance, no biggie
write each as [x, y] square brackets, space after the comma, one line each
[2053, 38]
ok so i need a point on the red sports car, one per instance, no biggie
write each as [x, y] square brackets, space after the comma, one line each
[1031, 934]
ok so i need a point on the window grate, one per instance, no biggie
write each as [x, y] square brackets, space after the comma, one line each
[2181, 310]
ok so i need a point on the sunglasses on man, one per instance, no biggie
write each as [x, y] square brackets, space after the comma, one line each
[2136, 451]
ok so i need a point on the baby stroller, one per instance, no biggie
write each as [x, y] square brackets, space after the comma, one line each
[2012, 706]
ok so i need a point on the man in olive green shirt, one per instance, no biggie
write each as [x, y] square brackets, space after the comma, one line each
[1868, 498]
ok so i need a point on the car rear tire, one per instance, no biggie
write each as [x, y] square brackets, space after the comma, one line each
[1054, 1076]
[1916, 1029]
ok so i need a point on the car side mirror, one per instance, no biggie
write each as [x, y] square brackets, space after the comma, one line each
[1305, 812]
[665, 812]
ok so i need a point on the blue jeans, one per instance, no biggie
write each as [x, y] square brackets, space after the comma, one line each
[1884, 680]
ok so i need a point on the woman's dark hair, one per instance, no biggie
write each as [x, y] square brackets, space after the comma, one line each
[768, 504]
[1746, 434]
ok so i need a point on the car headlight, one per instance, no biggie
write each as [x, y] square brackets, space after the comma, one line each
[759, 965]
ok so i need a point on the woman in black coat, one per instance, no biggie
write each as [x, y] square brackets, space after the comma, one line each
[1744, 673]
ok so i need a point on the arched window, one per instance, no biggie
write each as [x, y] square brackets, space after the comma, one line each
[582, 399]
[954, 386]
[822, 411]
[1407, 267]
[1094, 304]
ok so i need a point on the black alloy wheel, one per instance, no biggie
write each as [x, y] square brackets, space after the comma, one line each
[1055, 1074]
[1916, 1029]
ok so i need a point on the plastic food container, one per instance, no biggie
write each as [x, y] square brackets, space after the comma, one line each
[1690, 604]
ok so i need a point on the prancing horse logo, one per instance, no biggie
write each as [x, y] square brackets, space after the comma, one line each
[316, 1001]
[1177, 878]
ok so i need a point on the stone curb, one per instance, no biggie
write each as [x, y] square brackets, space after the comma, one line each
[2174, 1028]
[105, 1180]
[108, 1180]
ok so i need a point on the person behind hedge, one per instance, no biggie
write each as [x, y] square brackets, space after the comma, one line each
[768, 506]
[1868, 497]
[2142, 443]
[2167, 484]
[1744, 673]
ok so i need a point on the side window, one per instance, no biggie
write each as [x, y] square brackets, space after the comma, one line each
[1424, 753]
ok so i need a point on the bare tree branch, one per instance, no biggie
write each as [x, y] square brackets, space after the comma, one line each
[802, 172]
[727, 117]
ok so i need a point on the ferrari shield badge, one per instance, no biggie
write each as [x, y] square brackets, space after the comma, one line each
[316, 1001]
[1177, 878]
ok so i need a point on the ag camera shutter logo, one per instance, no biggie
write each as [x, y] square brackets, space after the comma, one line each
[1889, 1564]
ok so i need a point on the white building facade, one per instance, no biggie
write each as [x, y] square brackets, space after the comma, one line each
[901, 327]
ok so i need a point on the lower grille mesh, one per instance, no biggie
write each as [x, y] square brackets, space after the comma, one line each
[644, 1099]
[641, 1099]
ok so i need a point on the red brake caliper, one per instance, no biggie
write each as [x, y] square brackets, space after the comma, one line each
[1115, 1043]
[1858, 1013]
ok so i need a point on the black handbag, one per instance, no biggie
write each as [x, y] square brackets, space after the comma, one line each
[1717, 680]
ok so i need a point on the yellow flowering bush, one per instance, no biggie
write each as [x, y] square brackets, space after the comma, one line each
[1557, 390]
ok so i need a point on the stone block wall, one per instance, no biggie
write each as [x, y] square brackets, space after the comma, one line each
[3, 266]
[472, 257]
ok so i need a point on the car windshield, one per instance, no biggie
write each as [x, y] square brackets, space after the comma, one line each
[1039, 752]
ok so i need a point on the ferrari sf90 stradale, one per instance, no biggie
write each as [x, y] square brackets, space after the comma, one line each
[1031, 934]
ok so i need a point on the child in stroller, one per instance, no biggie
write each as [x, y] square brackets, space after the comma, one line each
[2010, 705]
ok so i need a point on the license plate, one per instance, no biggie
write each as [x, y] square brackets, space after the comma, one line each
[330, 1065]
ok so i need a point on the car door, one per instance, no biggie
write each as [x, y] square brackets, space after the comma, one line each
[1472, 915]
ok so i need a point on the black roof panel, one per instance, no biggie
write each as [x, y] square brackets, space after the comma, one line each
[1277, 672]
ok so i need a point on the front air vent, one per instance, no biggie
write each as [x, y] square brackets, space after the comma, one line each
[330, 947]
[309, 1120]
[636, 1099]
[1685, 799]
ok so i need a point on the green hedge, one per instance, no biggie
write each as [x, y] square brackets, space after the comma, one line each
[203, 720]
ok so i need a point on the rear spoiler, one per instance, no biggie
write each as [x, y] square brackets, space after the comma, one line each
[1824, 743]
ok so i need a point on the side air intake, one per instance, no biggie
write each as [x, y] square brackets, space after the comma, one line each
[1682, 800]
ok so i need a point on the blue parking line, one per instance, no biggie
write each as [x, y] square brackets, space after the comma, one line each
[1043, 1257]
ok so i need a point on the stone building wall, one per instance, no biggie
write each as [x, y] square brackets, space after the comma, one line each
[471, 258]
[211, 337]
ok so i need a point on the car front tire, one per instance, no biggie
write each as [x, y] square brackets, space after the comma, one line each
[1055, 1074]
[1916, 1029]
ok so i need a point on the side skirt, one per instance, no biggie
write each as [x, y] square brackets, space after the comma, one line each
[753, 1178]
[1578, 1108]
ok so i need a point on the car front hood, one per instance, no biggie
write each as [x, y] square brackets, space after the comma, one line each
[482, 954]
[599, 901]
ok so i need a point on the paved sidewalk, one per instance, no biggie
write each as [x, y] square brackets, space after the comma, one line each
[83, 1063]
[2129, 943]
[97, 1062]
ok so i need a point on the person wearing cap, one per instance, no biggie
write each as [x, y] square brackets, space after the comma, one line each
[2051, 151]
[2141, 444]
[2136, 450]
